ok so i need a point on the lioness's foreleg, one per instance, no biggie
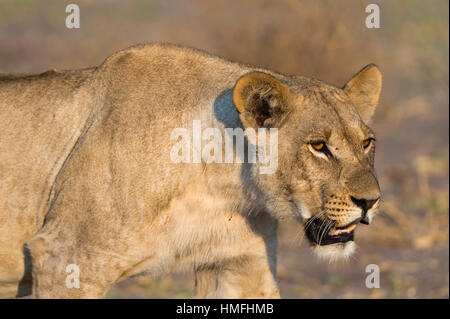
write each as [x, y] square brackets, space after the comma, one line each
[243, 277]
[69, 270]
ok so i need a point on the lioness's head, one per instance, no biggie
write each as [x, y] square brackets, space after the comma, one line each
[326, 152]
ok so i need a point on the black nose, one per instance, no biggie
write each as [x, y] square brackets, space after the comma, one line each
[364, 204]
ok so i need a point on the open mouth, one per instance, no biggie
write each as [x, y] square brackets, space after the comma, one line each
[323, 233]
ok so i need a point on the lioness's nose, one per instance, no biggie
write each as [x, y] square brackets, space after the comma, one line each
[363, 203]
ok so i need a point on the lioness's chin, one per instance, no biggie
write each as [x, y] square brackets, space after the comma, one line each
[335, 252]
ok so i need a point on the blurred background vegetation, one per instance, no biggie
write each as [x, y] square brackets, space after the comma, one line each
[322, 39]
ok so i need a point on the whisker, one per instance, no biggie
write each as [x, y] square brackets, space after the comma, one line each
[322, 231]
[294, 242]
[307, 225]
[327, 228]
[309, 222]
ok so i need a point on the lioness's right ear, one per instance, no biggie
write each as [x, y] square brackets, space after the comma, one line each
[364, 90]
[261, 100]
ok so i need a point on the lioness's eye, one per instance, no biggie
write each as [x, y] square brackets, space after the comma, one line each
[321, 146]
[366, 143]
[318, 146]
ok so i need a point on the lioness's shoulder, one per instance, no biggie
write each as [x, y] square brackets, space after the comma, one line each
[170, 56]
[165, 49]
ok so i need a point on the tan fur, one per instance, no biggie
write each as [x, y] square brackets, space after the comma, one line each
[364, 89]
[86, 177]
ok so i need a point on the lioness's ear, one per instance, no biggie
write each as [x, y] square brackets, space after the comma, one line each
[261, 100]
[364, 90]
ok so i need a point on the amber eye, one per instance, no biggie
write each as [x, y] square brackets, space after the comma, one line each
[321, 146]
[318, 146]
[366, 143]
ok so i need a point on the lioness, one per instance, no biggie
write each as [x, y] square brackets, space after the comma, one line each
[86, 177]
